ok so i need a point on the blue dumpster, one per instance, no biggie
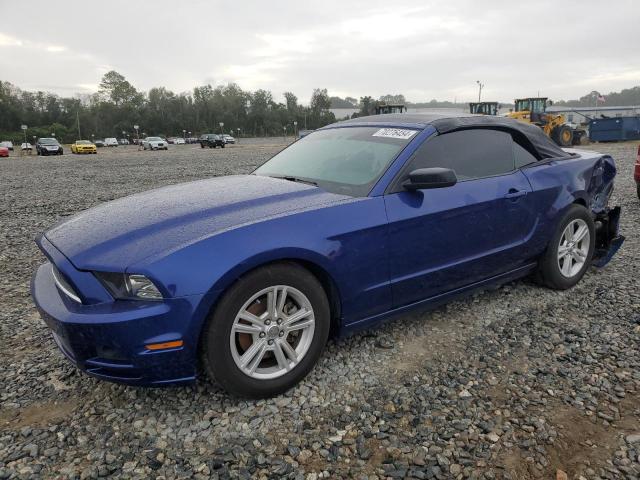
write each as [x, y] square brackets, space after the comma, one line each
[614, 129]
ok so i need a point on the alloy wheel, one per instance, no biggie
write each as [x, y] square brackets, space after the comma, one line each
[573, 248]
[272, 332]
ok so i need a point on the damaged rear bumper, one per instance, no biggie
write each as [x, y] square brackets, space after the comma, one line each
[608, 239]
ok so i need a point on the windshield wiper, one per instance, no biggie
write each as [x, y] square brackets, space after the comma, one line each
[295, 179]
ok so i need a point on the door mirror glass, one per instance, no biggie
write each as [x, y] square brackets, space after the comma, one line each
[433, 177]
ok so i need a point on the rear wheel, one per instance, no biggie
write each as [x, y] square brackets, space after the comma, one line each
[570, 250]
[638, 189]
[267, 332]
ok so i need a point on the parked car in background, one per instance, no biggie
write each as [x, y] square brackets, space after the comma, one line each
[26, 147]
[228, 139]
[110, 142]
[211, 140]
[304, 133]
[4, 151]
[48, 146]
[98, 142]
[83, 146]
[636, 172]
[8, 144]
[123, 141]
[154, 143]
[179, 141]
[171, 140]
[243, 277]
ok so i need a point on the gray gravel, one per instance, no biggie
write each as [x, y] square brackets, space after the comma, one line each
[519, 382]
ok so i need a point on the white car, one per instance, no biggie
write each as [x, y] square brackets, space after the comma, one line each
[228, 139]
[179, 141]
[110, 142]
[8, 144]
[154, 143]
[26, 146]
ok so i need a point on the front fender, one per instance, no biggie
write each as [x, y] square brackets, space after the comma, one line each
[334, 239]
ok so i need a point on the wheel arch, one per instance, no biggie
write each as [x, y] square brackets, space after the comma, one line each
[307, 260]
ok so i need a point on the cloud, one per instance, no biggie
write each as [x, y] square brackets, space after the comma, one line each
[423, 48]
[9, 41]
[55, 48]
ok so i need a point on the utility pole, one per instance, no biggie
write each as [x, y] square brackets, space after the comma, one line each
[480, 87]
[78, 120]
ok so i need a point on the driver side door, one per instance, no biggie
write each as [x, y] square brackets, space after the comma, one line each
[442, 239]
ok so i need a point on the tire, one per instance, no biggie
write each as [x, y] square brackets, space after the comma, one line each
[638, 189]
[222, 347]
[202, 145]
[222, 146]
[563, 135]
[553, 270]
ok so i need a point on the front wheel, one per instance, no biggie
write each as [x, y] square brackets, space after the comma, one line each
[267, 332]
[570, 250]
[638, 189]
[562, 135]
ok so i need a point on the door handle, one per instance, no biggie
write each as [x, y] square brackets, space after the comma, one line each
[513, 193]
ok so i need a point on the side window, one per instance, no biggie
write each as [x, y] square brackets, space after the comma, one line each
[470, 153]
[522, 156]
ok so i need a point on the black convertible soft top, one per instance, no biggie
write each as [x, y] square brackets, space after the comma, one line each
[540, 145]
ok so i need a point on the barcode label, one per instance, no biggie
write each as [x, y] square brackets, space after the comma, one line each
[395, 133]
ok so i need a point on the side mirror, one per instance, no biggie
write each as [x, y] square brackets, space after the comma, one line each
[434, 177]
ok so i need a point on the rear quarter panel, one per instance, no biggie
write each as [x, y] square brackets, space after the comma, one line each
[586, 179]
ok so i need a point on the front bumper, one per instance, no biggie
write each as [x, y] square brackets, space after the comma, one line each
[107, 340]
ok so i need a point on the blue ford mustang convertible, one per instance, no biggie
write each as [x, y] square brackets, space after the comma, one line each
[246, 276]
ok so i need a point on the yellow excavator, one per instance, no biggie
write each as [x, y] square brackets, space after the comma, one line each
[534, 110]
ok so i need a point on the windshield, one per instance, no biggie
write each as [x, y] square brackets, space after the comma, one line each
[48, 141]
[154, 139]
[340, 160]
[83, 142]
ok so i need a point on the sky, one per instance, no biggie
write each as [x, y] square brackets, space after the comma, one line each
[429, 49]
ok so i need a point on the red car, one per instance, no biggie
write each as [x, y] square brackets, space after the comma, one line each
[636, 172]
[4, 152]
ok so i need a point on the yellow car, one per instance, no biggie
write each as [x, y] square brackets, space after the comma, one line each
[83, 146]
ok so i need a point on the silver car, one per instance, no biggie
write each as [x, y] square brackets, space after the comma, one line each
[154, 143]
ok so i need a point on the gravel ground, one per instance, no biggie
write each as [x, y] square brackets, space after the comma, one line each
[518, 382]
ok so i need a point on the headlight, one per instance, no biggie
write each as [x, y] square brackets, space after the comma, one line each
[126, 286]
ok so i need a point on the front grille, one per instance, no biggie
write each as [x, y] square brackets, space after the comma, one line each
[64, 286]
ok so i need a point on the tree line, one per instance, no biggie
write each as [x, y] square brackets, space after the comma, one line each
[118, 106]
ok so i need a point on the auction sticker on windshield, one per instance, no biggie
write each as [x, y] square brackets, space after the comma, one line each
[394, 133]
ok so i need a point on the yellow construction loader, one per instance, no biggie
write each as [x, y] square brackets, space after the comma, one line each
[484, 108]
[534, 110]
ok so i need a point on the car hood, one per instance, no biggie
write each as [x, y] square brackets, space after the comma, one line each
[152, 224]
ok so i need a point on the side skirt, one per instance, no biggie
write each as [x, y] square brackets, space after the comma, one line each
[435, 301]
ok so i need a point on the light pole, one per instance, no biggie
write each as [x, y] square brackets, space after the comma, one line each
[221, 125]
[480, 87]
[238, 134]
[284, 132]
[184, 135]
[295, 129]
[24, 129]
[135, 127]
